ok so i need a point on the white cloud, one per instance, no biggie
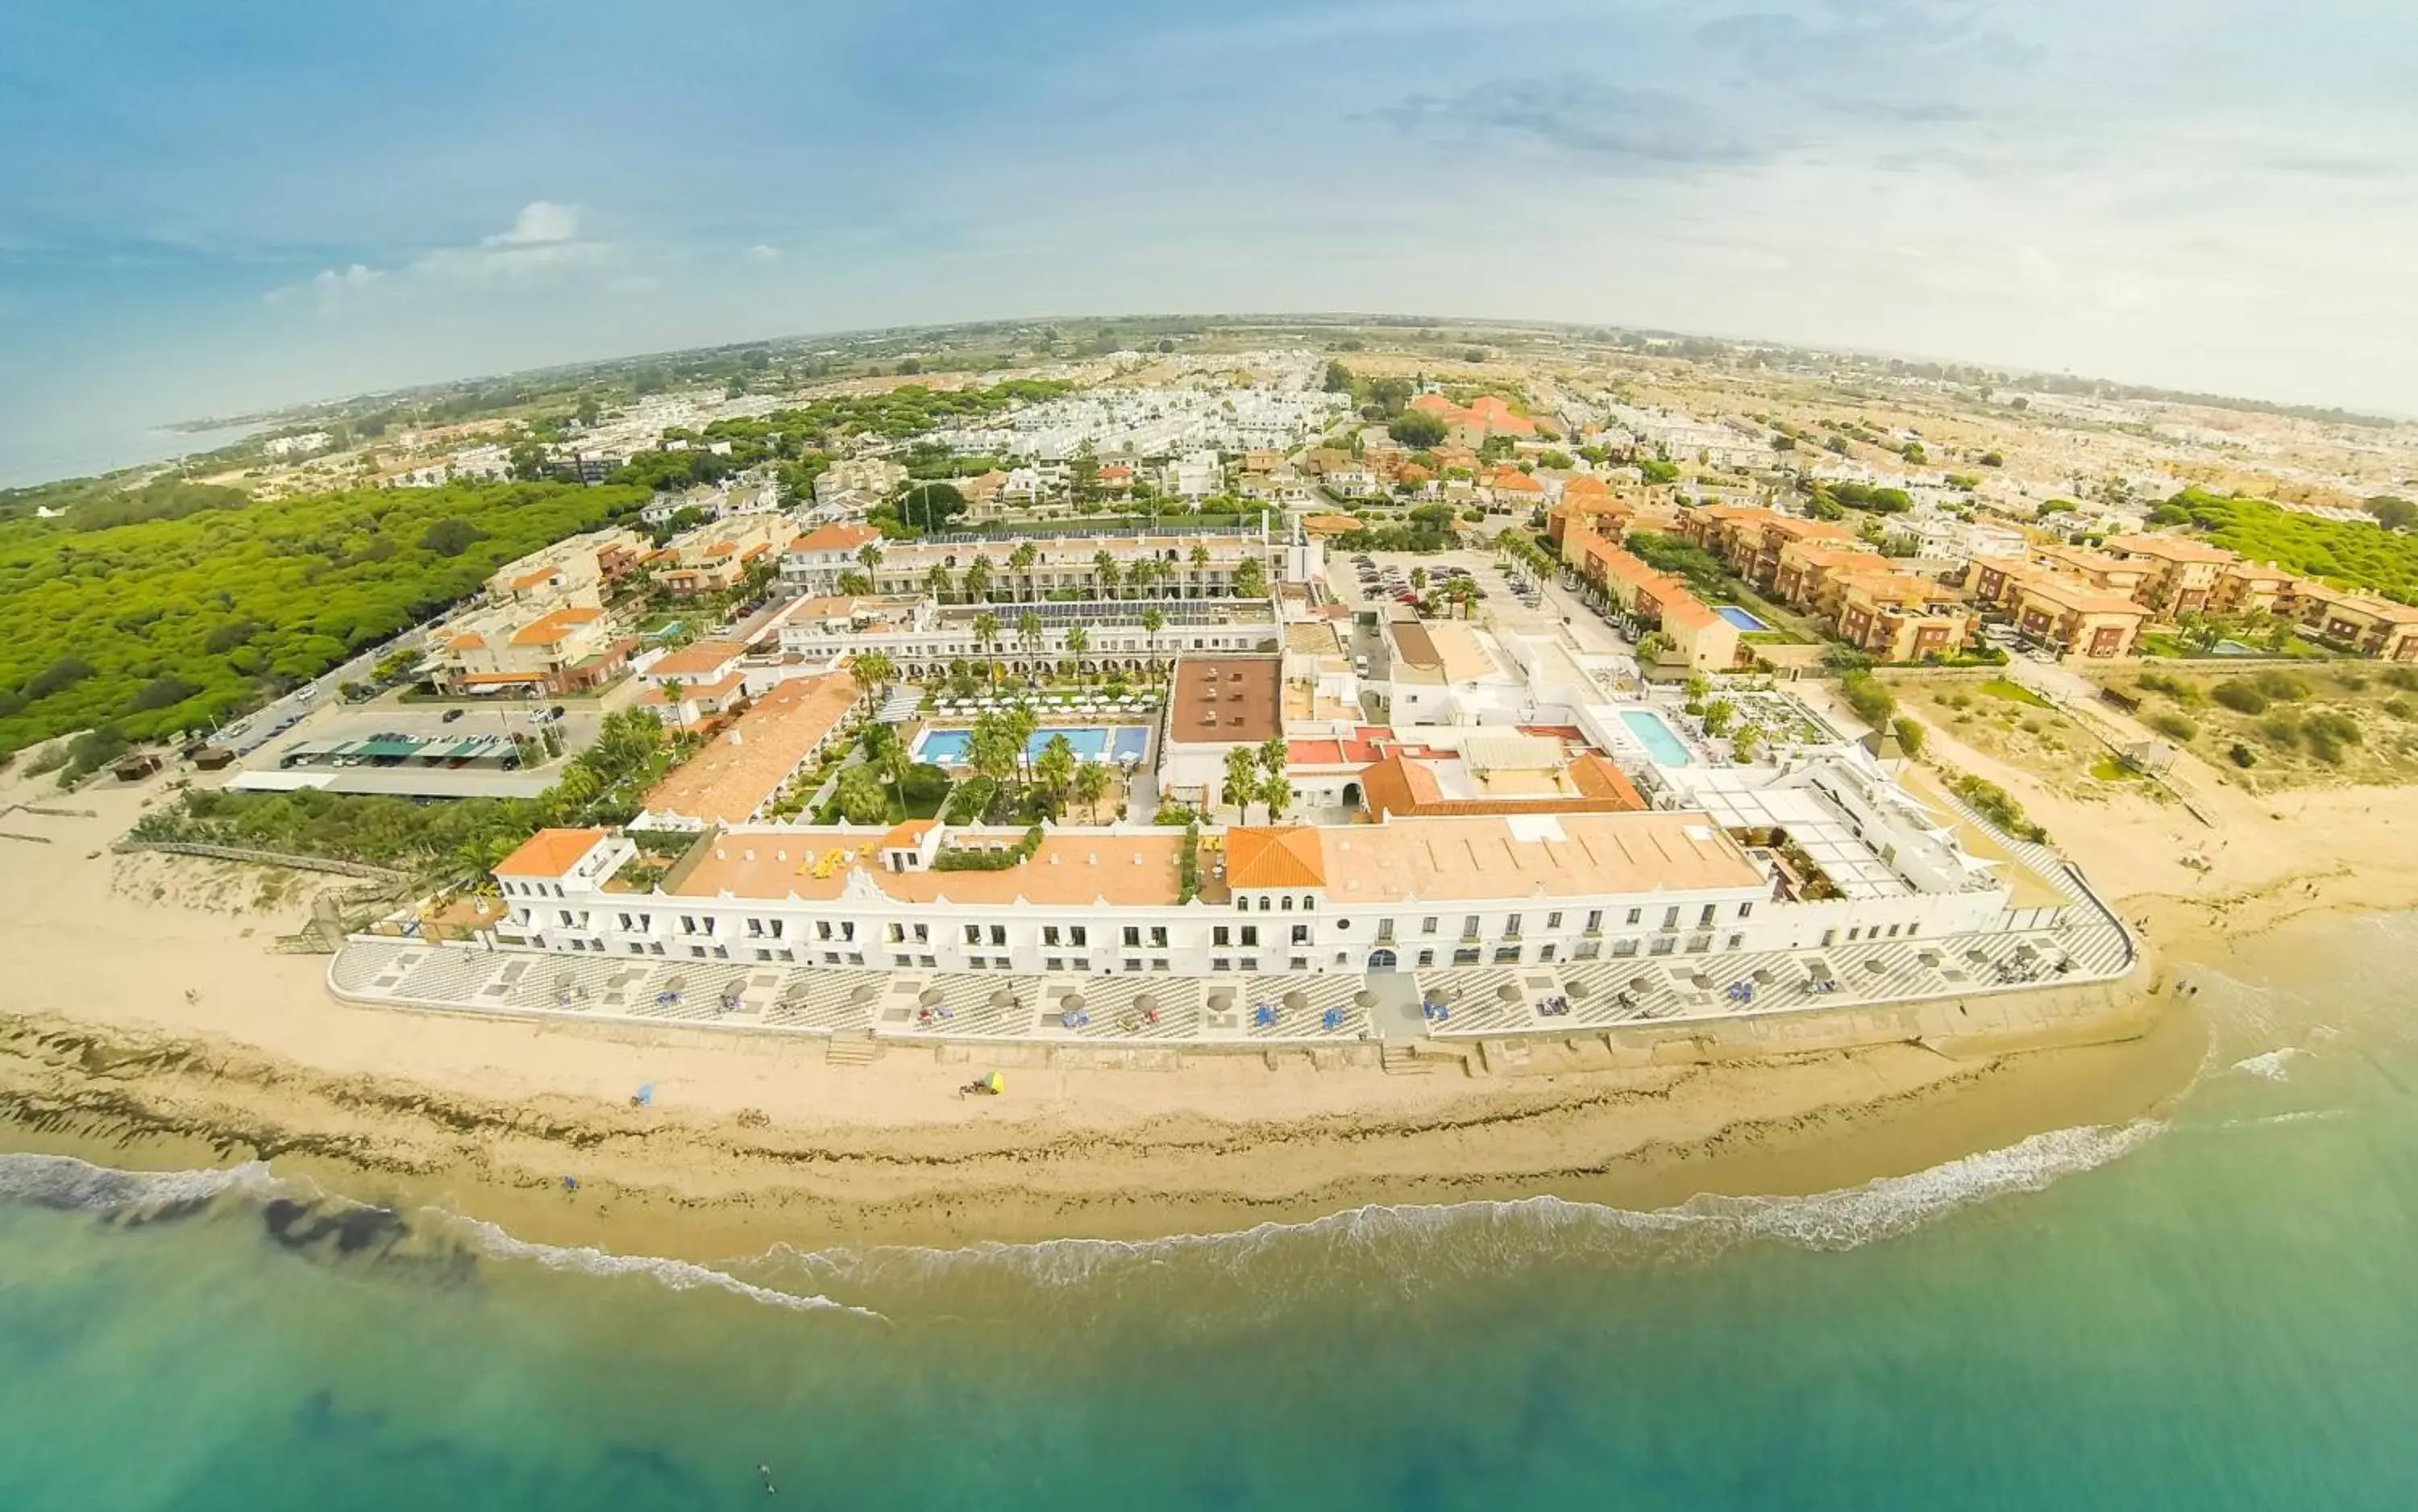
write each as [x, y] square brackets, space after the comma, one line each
[763, 252]
[540, 222]
[543, 242]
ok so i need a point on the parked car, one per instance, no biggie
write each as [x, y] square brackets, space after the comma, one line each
[453, 714]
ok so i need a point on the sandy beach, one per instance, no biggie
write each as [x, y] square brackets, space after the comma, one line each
[145, 1021]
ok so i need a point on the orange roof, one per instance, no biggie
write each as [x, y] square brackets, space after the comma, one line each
[501, 679]
[730, 779]
[548, 629]
[466, 641]
[2170, 548]
[1584, 483]
[1518, 481]
[1331, 525]
[693, 661]
[840, 535]
[1687, 609]
[1286, 857]
[1070, 870]
[1596, 778]
[550, 852]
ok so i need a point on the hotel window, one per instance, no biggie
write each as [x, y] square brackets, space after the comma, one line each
[998, 935]
[1055, 963]
[1308, 904]
[1910, 929]
[1554, 920]
[1287, 902]
[822, 929]
[1507, 955]
[1469, 926]
[1301, 934]
[688, 924]
[1634, 914]
[755, 929]
[1133, 937]
[1467, 955]
[637, 949]
[1594, 920]
[898, 935]
[901, 961]
[1698, 944]
[1082, 963]
[625, 923]
[1663, 945]
[1158, 936]
[1426, 959]
[974, 934]
[1705, 918]
[1512, 926]
[1745, 909]
[1220, 963]
[1250, 963]
[1854, 934]
[1300, 963]
[1671, 917]
[1250, 935]
[1623, 947]
[1587, 950]
[1218, 936]
[1050, 934]
[1078, 936]
[1736, 942]
[1545, 951]
[776, 928]
[1428, 924]
[1133, 963]
[847, 928]
[566, 917]
[923, 960]
[1829, 938]
[922, 934]
[1384, 931]
[1158, 963]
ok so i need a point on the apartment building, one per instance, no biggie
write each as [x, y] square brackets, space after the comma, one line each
[715, 558]
[1901, 617]
[923, 637]
[2065, 612]
[509, 648]
[746, 767]
[2358, 622]
[1702, 639]
[2179, 575]
[582, 570]
[1030, 570]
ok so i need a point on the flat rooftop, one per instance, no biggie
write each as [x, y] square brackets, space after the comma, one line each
[1542, 855]
[1070, 870]
[1224, 698]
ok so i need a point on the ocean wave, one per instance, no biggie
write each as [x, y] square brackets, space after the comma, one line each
[1425, 1244]
[675, 1275]
[68, 1185]
[2275, 1065]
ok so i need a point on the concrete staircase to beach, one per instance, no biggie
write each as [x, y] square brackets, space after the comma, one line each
[1401, 1060]
[851, 1050]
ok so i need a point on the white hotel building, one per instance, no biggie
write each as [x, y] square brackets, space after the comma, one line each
[1404, 895]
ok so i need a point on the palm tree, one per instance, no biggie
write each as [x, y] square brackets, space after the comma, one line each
[1153, 620]
[985, 635]
[873, 670]
[869, 557]
[1028, 632]
[1021, 561]
[1274, 755]
[977, 583]
[1055, 771]
[1090, 785]
[1079, 640]
[1104, 571]
[1242, 779]
[1200, 565]
[1276, 792]
[937, 582]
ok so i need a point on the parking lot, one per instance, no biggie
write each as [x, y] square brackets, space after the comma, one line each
[327, 723]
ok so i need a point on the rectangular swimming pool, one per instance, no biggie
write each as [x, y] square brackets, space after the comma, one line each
[1092, 742]
[1661, 742]
[1738, 617]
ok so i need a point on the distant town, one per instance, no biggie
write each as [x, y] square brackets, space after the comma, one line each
[1354, 685]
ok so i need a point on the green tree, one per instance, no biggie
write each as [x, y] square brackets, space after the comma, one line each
[1090, 785]
[976, 580]
[862, 799]
[1276, 792]
[1417, 429]
[1241, 782]
[938, 583]
[1054, 772]
[1250, 579]
[1153, 620]
[1028, 632]
[985, 638]
[1106, 572]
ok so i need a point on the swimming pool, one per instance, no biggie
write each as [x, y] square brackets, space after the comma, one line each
[1092, 742]
[1738, 617]
[1661, 742]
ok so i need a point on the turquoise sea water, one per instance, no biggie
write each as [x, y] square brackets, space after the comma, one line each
[2214, 1310]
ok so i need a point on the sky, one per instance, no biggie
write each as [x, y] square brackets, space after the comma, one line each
[208, 207]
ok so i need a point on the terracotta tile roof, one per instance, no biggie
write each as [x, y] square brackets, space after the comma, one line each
[696, 660]
[1559, 855]
[744, 766]
[1596, 776]
[1070, 870]
[2170, 548]
[1331, 525]
[1285, 856]
[465, 641]
[550, 852]
[840, 535]
[549, 630]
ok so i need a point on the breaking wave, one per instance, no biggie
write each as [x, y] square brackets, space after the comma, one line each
[2275, 1065]
[674, 1275]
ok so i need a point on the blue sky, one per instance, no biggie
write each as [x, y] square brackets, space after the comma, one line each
[206, 207]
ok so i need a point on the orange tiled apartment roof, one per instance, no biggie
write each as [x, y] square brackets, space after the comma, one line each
[1070, 870]
[1287, 856]
[736, 775]
[698, 659]
[546, 630]
[549, 852]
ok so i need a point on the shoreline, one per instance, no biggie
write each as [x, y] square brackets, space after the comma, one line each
[749, 1146]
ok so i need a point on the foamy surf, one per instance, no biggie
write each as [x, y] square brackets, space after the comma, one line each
[674, 1275]
[2275, 1065]
[1419, 1245]
[68, 1185]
